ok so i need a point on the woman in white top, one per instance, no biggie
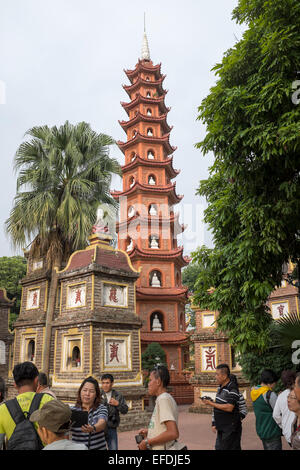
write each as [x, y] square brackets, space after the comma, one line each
[163, 427]
[281, 413]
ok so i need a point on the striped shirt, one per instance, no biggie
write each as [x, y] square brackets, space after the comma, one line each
[92, 440]
[224, 420]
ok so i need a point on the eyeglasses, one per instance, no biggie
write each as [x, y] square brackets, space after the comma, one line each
[292, 398]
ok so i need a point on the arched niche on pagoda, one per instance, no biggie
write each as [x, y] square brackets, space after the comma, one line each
[151, 180]
[129, 244]
[155, 278]
[157, 321]
[134, 133]
[30, 350]
[182, 322]
[149, 112]
[150, 154]
[131, 211]
[148, 94]
[154, 242]
[150, 132]
[131, 181]
[153, 209]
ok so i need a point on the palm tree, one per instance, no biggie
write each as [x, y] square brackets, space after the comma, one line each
[64, 175]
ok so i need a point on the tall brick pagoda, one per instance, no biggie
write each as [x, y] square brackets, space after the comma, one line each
[148, 226]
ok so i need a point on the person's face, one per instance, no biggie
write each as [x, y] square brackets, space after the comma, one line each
[88, 394]
[153, 384]
[106, 385]
[292, 402]
[297, 388]
[220, 377]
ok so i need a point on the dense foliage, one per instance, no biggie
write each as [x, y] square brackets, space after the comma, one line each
[12, 270]
[278, 357]
[152, 356]
[253, 191]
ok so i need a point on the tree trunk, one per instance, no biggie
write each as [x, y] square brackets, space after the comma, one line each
[49, 317]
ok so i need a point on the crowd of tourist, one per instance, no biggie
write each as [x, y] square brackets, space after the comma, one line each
[36, 419]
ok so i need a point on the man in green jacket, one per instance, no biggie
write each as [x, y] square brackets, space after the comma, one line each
[264, 400]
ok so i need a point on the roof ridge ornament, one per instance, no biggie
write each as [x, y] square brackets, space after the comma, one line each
[145, 55]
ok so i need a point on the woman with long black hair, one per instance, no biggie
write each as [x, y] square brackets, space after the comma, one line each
[89, 399]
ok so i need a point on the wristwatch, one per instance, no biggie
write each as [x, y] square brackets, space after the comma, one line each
[147, 444]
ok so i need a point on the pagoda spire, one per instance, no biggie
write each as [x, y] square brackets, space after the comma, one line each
[145, 55]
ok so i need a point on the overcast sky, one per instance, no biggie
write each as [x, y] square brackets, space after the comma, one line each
[64, 59]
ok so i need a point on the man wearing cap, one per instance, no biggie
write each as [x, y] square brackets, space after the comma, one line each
[54, 422]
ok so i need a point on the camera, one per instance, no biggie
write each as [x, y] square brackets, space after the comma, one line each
[206, 398]
[139, 438]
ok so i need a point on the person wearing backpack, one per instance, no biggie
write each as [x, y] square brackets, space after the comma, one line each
[264, 400]
[20, 433]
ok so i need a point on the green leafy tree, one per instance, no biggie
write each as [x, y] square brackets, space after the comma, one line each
[278, 356]
[12, 269]
[253, 191]
[153, 355]
[64, 175]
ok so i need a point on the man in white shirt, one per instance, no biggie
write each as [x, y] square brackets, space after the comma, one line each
[163, 427]
[281, 413]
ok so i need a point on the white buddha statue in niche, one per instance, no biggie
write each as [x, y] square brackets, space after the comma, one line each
[151, 181]
[150, 133]
[150, 155]
[154, 243]
[155, 281]
[132, 182]
[156, 325]
[130, 246]
[131, 211]
[152, 210]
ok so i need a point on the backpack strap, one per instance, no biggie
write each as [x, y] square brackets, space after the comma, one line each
[15, 410]
[268, 395]
[35, 404]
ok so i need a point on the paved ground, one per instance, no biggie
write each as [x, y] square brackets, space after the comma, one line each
[195, 432]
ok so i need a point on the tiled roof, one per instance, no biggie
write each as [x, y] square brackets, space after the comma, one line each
[163, 337]
[101, 254]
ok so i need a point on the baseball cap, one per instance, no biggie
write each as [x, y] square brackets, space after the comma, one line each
[53, 415]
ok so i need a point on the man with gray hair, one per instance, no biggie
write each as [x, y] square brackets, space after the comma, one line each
[43, 386]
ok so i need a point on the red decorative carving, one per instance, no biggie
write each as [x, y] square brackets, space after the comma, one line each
[34, 299]
[113, 295]
[114, 351]
[280, 310]
[78, 296]
[210, 358]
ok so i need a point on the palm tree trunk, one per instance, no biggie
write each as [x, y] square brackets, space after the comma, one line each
[49, 316]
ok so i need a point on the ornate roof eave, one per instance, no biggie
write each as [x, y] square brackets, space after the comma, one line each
[164, 140]
[143, 99]
[160, 255]
[138, 187]
[168, 164]
[140, 81]
[144, 117]
[163, 337]
[161, 293]
[143, 220]
[145, 67]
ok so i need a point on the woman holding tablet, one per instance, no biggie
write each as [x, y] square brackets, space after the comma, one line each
[92, 433]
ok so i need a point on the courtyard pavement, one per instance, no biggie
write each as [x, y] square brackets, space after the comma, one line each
[195, 431]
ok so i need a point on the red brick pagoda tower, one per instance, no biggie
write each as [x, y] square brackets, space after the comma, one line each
[148, 226]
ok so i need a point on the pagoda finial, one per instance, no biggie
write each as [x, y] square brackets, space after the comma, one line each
[145, 47]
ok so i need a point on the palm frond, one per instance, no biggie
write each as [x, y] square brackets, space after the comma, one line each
[288, 329]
